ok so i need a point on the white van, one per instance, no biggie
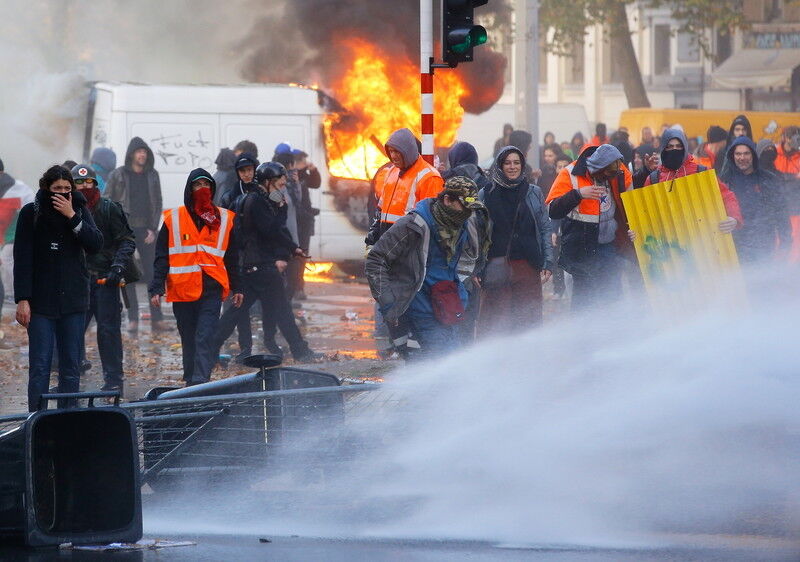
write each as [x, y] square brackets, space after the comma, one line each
[187, 125]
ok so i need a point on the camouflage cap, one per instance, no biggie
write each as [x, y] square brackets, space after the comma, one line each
[464, 189]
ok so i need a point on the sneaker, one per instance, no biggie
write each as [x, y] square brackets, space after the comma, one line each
[242, 356]
[273, 348]
[308, 356]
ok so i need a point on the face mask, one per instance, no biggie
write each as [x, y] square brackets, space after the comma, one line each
[92, 195]
[672, 159]
[276, 196]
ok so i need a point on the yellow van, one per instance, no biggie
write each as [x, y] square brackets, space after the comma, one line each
[695, 122]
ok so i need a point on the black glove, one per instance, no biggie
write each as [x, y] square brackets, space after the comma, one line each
[114, 277]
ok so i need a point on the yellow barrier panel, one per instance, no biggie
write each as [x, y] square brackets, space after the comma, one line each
[683, 257]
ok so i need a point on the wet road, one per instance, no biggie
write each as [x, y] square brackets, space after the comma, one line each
[245, 548]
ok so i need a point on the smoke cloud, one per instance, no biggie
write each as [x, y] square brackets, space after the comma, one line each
[306, 44]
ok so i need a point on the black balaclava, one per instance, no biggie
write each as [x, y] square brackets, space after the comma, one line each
[673, 159]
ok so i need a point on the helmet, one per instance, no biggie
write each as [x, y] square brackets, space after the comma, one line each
[269, 171]
[82, 172]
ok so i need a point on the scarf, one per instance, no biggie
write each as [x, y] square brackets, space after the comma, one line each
[43, 207]
[92, 195]
[205, 209]
[449, 222]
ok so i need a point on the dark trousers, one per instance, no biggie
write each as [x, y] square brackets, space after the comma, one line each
[43, 333]
[147, 253]
[295, 281]
[598, 284]
[265, 285]
[243, 328]
[105, 306]
[513, 305]
[197, 324]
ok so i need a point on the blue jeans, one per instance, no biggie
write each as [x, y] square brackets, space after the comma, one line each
[434, 338]
[43, 333]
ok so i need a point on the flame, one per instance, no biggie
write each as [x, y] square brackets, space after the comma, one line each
[319, 272]
[381, 93]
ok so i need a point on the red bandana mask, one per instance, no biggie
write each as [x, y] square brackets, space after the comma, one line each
[92, 195]
[204, 208]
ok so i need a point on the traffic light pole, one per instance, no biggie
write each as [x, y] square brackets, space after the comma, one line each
[426, 77]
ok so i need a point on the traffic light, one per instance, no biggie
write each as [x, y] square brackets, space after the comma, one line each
[459, 32]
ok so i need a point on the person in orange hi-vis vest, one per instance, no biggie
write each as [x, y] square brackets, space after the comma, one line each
[196, 259]
[586, 198]
[787, 162]
[409, 180]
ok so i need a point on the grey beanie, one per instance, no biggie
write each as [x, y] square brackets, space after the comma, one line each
[605, 155]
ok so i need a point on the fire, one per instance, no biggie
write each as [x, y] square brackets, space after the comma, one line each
[381, 93]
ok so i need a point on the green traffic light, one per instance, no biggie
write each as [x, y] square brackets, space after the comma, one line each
[478, 35]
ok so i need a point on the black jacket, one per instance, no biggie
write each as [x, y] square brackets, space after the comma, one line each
[161, 260]
[265, 238]
[50, 257]
[306, 213]
[119, 242]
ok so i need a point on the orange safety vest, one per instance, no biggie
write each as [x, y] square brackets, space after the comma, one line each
[192, 253]
[399, 194]
[588, 210]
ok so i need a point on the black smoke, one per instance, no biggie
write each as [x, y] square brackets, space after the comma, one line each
[304, 44]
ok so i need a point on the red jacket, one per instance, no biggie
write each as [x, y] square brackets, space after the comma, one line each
[689, 167]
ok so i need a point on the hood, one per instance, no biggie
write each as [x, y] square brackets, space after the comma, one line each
[605, 155]
[462, 153]
[743, 120]
[749, 144]
[225, 159]
[581, 168]
[673, 133]
[762, 145]
[187, 190]
[520, 139]
[404, 141]
[501, 155]
[105, 158]
[135, 144]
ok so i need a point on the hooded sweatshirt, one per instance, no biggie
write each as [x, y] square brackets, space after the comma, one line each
[103, 161]
[161, 262]
[404, 141]
[762, 202]
[463, 160]
[139, 194]
[225, 176]
[690, 166]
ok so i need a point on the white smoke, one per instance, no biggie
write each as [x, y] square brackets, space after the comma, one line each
[613, 428]
[50, 48]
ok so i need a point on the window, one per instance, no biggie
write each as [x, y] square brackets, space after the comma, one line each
[688, 50]
[662, 52]
[574, 69]
[723, 47]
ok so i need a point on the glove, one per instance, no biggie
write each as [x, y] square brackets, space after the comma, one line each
[114, 277]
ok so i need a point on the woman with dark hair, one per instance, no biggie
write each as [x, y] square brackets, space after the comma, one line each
[51, 282]
[576, 144]
[521, 252]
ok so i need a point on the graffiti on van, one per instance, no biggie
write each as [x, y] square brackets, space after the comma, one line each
[181, 150]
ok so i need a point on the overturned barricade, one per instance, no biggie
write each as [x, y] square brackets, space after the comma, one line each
[70, 475]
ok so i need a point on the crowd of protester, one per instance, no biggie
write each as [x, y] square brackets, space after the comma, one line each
[93, 231]
[458, 253]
